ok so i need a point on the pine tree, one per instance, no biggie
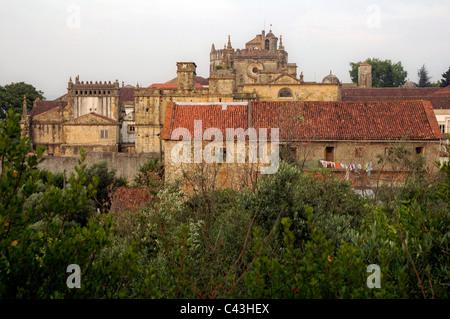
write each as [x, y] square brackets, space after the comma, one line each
[388, 78]
[445, 78]
[424, 78]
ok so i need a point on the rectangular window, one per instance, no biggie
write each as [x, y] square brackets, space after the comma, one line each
[329, 154]
[103, 133]
[442, 127]
[131, 129]
[419, 150]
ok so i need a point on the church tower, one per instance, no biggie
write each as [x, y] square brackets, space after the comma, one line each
[365, 75]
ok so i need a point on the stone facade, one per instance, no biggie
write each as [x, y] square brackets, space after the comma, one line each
[87, 116]
[260, 72]
[344, 134]
[365, 75]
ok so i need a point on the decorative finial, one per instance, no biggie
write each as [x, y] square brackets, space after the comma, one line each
[270, 28]
[137, 85]
[229, 43]
[70, 80]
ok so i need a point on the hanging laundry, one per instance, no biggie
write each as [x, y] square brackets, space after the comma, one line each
[369, 168]
[336, 165]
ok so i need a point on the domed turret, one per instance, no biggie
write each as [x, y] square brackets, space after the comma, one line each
[331, 78]
[409, 84]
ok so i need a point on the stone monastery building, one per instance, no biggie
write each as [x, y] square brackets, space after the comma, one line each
[108, 117]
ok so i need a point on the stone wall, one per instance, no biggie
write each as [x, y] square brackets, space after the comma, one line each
[300, 92]
[236, 175]
[126, 165]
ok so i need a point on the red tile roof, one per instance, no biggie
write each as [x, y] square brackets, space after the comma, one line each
[126, 94]
[44, 106]
[391, 120]
[211, 116]
[439, 97]
[106, 118]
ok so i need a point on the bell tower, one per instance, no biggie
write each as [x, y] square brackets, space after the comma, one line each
[365, 75]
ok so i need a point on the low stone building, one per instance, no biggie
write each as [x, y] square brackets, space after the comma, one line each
[346, 137]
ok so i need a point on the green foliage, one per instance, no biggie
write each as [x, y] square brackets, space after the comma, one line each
[384, 73]
[424, 78]
[319, 270]
[11, 96]
[296, 235]
[57, 180]
[337, 207]
[151, 175]
[445, 78]
[107, 182]
[35, 249]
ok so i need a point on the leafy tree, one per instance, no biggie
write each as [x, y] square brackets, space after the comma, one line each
[11, 96]
[151, 175]
[107, 182]
[35, 254]
[384, 73]
[387, 79]
[445, 78]
[424, 78]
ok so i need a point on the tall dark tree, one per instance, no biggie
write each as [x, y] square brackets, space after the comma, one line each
[11, 96]
[424, 78]
[387, 79]
[445, 78]
[384, 73]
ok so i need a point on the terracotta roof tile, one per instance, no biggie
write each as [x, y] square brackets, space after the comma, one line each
[439, 97]
[44, 106]
[378, 120]
[126, 95]
[211, 115]
[105, 118]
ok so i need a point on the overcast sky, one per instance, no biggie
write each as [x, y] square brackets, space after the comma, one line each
[44, 42]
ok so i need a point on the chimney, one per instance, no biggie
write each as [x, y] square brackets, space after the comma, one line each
[186, 72]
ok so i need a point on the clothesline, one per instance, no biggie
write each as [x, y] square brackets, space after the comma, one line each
[349, 167]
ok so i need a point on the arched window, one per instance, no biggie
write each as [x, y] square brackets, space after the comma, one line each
[267, 44]
[285, 93]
